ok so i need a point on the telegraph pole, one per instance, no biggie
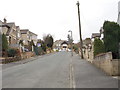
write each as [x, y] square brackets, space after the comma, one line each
[81, 43]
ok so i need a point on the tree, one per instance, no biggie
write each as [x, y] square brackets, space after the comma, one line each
[48, 41]
[111, 37]
[98, 47]
[43, 46]
[32, 43]
[4, 42]
[21, 42]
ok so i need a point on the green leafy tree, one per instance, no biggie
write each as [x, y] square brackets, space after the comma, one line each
[98, 47]
[32, 43]
[4, 42]
[111, 37]
[43, 46]
[49, 41]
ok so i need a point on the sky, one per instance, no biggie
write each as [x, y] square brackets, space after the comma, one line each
[57, 17]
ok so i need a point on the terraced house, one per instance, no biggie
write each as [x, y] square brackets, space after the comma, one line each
[9, 29]
[14, 35]
[28, 36]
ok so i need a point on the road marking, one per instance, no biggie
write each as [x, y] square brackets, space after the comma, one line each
[72, 80]
[116, 77]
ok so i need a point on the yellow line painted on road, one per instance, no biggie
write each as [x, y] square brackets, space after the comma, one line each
[72, 80]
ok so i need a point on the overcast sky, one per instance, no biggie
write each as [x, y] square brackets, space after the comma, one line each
[57, 17]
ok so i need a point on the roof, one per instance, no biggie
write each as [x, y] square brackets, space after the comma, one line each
[3, 25]
[65, 42]
[87, 41]
[96, 35]
[33, 33]
[24, 31]
[17, 27]
[10, 24]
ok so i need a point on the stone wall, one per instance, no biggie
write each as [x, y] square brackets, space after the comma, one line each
[9, 60]
[107, 64]
[26, 55]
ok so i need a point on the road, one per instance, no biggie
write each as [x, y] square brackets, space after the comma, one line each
[58, 70]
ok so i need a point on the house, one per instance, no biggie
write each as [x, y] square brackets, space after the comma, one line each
[57, 45]
[25, 36]
[88, 49]
[28, 36]
[60, 45]
[15, 35]
[0, 39]
[118, 20]
[96, 35]
[19, 37]
[9, 29]
[33, 37]
[64, 46]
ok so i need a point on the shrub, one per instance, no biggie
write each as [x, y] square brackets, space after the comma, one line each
[12, 52]
[98, 47]
[57, 50]
[4, 42]
[111, 38]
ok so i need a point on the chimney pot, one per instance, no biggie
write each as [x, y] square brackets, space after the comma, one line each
[5, 21]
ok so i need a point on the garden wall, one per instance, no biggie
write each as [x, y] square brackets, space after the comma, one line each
[107, 64]
[24, 55]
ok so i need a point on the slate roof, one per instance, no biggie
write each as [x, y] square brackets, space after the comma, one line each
[96, 35]
[24, 31]
[33, 33]
[64, 42]
[10, 26]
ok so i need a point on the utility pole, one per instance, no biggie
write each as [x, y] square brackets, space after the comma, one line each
[81, 43]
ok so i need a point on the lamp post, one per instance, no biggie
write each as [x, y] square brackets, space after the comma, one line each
[71, 40]
[81, 43]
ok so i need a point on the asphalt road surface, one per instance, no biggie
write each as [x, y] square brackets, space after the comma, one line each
[58, 70]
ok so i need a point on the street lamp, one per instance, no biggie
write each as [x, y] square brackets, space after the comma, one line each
[71, 40]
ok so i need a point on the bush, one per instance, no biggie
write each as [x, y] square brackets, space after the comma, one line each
[12, 52]
[57, 50]
[98, 47]
[4, 42]
[111, 38]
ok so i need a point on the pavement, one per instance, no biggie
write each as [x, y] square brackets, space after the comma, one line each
[58, 70]
[88, 76]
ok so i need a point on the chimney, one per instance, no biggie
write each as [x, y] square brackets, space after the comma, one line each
[5, 21]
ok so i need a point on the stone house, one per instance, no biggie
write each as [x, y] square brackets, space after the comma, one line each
[96, 35]
[64, 46]
[118, 20]
[88, 49]
[60, 45]
[57, 45]
[28, 36]
[25, 36]
[9, 29]
[14, 35]
[19, 37]
[33, 37]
